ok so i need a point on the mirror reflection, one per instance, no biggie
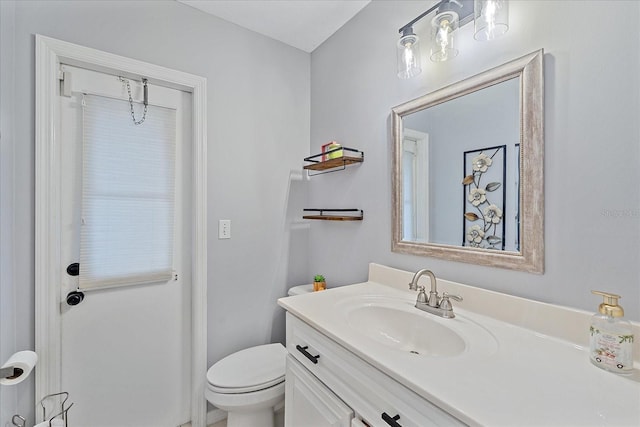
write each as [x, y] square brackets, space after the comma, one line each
[460, 170]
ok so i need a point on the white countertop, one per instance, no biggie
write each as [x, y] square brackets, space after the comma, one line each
[527, 379]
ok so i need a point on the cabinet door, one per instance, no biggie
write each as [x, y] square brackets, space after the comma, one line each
[310, 403]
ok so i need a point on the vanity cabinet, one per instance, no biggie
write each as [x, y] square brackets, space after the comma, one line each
[374, 397]
[308, 402]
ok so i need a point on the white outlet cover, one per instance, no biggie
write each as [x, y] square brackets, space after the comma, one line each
[224, 229]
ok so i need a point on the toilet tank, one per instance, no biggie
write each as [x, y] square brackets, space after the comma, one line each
[300, 289]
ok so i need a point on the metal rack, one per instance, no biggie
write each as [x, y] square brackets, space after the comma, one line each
[63, 414]
[320, 162]
[325, 164]
[359, 216]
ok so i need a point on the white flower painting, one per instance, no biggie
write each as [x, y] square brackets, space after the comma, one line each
[484, 198]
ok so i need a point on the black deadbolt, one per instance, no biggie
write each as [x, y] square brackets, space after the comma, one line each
[73, 269]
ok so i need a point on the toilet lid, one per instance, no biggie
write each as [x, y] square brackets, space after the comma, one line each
[300, 289]
[250, 369]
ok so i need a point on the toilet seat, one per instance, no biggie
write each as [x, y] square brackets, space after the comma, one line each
[249, 370]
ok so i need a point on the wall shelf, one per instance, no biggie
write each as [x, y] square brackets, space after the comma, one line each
[320, 162]
[336, 214]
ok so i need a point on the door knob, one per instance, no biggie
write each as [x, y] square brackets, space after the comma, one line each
[75, 297]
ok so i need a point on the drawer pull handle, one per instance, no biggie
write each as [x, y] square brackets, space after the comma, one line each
[308, 355]
[391, 420]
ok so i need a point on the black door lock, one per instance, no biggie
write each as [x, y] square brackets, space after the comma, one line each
[73, 269]
[75, 297]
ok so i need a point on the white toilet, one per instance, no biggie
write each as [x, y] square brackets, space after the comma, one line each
[249, 384]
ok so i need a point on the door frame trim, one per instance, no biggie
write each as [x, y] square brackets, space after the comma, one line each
[49, 54]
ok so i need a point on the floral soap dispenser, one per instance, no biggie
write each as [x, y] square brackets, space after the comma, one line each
[611, 340]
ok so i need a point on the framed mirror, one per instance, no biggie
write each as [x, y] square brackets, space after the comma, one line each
[467, 181]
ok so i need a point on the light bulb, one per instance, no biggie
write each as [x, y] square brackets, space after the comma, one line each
[408, 53]
[489, 15]
[442, 45]
[491, 18]
[408, 56]
[442, 36]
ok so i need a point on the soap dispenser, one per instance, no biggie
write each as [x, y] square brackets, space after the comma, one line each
[611, 340]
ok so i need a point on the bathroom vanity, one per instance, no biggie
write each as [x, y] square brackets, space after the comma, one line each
[364, 355]
[342, 374]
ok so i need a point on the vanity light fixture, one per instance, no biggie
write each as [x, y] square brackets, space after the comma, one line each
[491, 20]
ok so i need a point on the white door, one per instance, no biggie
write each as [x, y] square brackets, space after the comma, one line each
[126, 351]
[310, 403]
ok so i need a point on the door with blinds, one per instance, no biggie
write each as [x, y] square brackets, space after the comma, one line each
[125, 285]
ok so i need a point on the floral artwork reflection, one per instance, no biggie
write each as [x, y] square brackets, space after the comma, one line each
[483, 204]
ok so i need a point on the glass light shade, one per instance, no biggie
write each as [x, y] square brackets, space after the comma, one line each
[442, 39]
[408, 56]
[491, 18]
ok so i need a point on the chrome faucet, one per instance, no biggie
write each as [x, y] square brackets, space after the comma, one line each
[433, 304]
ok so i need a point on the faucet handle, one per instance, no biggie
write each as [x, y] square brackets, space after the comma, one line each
[452, 296]
[422, 296]
[445, 305]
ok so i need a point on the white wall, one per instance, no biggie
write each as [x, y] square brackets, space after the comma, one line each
[8, 395]
[592, 219]
[258, 131]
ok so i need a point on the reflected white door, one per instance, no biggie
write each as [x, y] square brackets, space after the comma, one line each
[126, 351]
[415, 182]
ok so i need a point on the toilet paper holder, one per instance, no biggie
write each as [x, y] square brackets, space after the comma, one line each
[10, 372]
[64, 413]
[18, 367]
[18, 420]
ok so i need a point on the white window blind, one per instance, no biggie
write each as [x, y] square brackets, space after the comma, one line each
[128, 186]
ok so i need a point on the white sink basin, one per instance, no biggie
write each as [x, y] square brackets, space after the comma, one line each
[405, 331]
[398, 325]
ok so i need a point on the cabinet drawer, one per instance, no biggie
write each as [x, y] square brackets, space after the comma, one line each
[368, 391]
